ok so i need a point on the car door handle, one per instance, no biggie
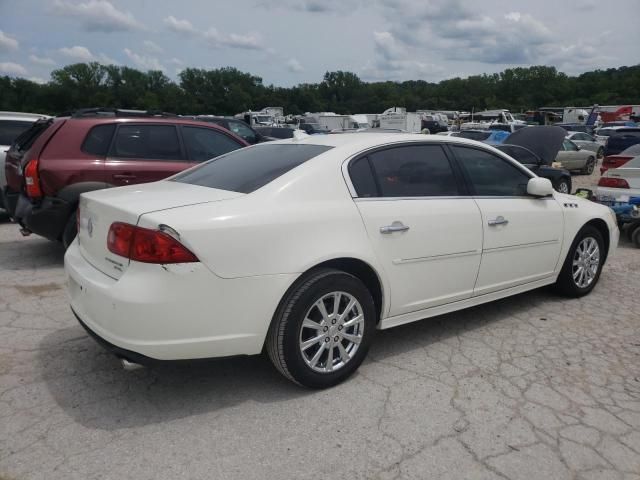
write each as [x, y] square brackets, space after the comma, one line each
[498, 221]
[124, 176]
[394, 227]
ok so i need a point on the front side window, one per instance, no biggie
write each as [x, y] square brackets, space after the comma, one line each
[248, 169]
[491, 175]
[569, 146]
[153, 142]
[204, 143]
[413, 171]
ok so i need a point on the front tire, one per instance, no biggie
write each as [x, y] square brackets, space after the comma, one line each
[563, 186]
[322, 329]
[583, 265]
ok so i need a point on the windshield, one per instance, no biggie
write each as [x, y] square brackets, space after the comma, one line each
[248, 169]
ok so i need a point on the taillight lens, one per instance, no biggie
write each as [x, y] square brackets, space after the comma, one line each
[613, 182]
[32, 180]
[145, 245]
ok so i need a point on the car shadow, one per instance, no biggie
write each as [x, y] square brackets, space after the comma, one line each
[31, 254]
[90, 384]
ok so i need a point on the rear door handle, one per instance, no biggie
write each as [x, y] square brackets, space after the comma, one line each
[124, 176]
[394, 227]
[500, 220]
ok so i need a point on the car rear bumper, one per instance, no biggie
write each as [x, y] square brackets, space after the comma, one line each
[47, 218]
[173, 312]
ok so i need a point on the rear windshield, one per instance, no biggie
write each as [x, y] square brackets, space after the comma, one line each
[11, 129]
[471, 135]
[248, 169]
[28, 137]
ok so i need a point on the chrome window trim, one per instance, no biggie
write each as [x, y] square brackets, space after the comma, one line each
[457, 197]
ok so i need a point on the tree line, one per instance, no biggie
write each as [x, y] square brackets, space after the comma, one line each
[226, 91]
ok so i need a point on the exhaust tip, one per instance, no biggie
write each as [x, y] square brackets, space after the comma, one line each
[129, 366]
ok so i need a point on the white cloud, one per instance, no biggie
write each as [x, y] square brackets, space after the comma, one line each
[83, 54]
[176, 61]
[294, 66]
[180, 26]
[39, 80]
[14, 69]
[143, 61]
[44, 61]
[152, 47]
[98, 15]
[7, 43]
[78, 53]
[233, 40]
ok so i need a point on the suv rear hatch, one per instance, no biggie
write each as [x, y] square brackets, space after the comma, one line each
[621, 140]
[28, 146]
[101, 208]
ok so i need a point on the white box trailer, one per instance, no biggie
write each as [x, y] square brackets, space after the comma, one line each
[410, 122]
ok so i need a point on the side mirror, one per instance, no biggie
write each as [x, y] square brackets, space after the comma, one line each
[539, 187]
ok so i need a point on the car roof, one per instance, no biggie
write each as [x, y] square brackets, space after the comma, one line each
[21, 116]
[98, 120]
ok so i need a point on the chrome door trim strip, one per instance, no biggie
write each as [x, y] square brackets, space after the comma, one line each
[401, 261]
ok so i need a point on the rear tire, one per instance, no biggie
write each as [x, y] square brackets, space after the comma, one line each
[70, 231]
[582, 257]
[322, 329]
[589, 167]
[635, 236]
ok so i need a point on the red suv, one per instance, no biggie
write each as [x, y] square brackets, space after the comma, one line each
[56, 160]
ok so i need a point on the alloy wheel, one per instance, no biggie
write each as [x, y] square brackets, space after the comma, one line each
[586, 261]
[331, 332]
[563, 187]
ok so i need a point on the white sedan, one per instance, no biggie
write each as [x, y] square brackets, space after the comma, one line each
[304, 247]
[620, 184]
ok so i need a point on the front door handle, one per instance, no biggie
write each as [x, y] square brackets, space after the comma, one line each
[394, 227]
[498, 221]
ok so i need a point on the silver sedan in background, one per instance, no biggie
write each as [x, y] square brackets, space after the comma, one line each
[587, 142]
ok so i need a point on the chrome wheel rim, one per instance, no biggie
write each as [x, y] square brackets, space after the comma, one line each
[563, 187]
[591, 167]
[331, 332]
[586, 261]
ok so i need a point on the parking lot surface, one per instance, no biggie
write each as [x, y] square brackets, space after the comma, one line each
[531, 387]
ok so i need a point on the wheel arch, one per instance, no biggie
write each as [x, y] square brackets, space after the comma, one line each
[360, 269]
[602, 227]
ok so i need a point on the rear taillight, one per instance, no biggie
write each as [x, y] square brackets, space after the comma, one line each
[613, 182]
[145, 245]
[32, 180]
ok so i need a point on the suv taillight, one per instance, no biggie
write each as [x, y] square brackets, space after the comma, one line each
[613, 182]
[145, 245]
[32, 180]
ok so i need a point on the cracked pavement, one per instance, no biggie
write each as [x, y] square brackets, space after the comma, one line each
[531, 387]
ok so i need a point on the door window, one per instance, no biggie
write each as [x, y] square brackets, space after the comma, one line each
[412, 171]
[98, 140]
[569, 146]
[491, 175]
[243, 131]
[153, 142]
[204, 143]
[12, 129]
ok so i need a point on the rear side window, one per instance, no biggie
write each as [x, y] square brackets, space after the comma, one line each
[98, 140]
[12, 129]
[248, 169]
[205, 143]
[414, 171]
[26, 139]
[153, 142]
[362, 178]
[242, 130]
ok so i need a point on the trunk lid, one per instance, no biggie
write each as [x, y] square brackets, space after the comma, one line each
[101, 208]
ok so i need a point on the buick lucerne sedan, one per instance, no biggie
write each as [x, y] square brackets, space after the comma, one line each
[305, 247]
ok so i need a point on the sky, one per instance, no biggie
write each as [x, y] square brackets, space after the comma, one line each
[287, 42]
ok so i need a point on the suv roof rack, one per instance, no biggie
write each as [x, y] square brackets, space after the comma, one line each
[114, 112]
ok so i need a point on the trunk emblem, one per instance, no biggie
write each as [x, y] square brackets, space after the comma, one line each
[90, 227]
